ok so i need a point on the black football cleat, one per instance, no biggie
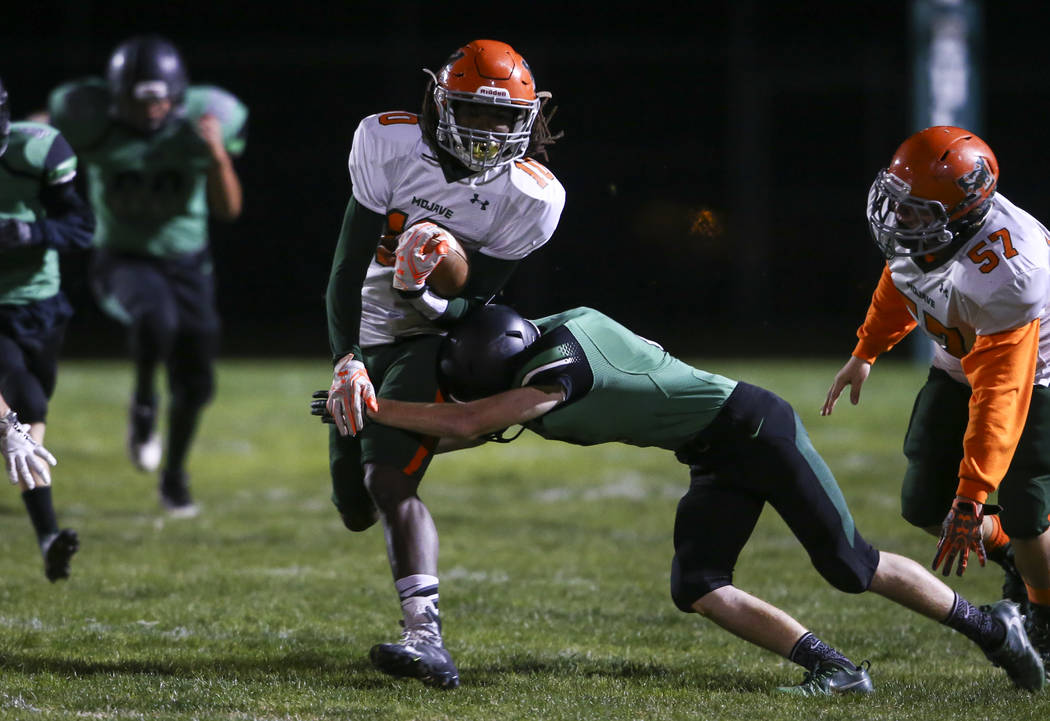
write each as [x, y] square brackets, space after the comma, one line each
[833, 679]
[57, 549]
[175, 498]
[1017, 655]
[419, 654]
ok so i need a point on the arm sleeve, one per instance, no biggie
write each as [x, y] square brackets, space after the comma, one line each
[886, 323]
[1000, 369]
[69, 224]
[488, 275]
[357, 242]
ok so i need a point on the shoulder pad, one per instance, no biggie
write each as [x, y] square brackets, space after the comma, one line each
[80, 109]
[40, 150]
[394, 128]
[535, 180]
[231, 113]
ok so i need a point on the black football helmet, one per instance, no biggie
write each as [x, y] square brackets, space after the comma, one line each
[5, 118]
[478, 357]
[142, 69]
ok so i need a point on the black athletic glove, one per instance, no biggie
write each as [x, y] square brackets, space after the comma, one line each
[319, 406]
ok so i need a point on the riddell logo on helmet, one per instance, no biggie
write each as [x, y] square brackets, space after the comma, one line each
[494, 92]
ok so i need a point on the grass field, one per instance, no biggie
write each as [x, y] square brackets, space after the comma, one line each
[554, 573]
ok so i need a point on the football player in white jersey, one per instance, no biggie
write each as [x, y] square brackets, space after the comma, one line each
[465, 166]
[972, 270]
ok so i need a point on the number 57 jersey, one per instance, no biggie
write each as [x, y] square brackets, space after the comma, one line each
[997, 281]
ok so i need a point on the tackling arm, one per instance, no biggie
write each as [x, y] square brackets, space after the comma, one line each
[469, 420]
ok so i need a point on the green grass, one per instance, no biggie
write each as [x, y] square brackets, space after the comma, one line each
[554, 567]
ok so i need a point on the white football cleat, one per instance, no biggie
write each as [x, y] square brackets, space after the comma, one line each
[144, 446]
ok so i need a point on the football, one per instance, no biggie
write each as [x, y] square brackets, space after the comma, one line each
[450, 275]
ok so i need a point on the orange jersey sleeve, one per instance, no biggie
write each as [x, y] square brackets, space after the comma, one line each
[887, 321]
[1000, 369]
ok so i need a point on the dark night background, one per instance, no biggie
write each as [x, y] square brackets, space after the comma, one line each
[716, 158]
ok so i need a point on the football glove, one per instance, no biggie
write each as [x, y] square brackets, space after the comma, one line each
[419, 250]
[960, 534]
[350, 392]
[23, 456]
[14, 233]
[319, 406]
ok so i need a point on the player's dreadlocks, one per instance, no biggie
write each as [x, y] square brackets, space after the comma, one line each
[539, 140]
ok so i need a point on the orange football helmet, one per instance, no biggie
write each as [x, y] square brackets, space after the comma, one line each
[493, 79]
[939, 185]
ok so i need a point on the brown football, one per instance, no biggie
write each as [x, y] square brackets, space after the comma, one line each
[450, 275]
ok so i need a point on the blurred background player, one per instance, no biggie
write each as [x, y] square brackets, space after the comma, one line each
[581, 377]
[158, 158]
[972, 270]
[41, 215]
[466, 166]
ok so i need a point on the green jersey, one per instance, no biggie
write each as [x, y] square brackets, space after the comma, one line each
[37, 156]
[148, 191]
[618, 386]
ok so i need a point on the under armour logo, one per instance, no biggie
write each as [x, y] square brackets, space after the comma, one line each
[484, 203]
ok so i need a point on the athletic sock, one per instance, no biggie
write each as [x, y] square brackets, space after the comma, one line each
[41, 512]
[419, 598]
[997, 544]
[182, 425]
[809, 652]
[975, 624]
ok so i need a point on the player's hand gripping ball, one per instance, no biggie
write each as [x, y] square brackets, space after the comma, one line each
[429, 255]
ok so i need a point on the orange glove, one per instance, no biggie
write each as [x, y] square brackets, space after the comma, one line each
[960, 534]
[419, 250]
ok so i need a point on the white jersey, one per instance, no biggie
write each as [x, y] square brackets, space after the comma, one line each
[505, 213]
[997, 281]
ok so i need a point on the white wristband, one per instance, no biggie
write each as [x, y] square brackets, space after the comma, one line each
[429, 304]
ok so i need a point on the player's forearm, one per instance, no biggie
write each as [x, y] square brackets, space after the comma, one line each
[441, 420]
[470, 420]
[69, 224]
[1000, 369]
[225, 196]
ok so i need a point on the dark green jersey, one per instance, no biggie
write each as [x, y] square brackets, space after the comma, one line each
[149, 192]
[618, 386]
[37, 157]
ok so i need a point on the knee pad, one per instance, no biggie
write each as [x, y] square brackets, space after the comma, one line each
[192, 387]
[153, 336]
[688, 587]
[24, 394]
[842, 575]
[349, 495]
[359, 519]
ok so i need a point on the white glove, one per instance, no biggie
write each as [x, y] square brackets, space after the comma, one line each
[351, 391]
[419, 250]
[22, 455]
